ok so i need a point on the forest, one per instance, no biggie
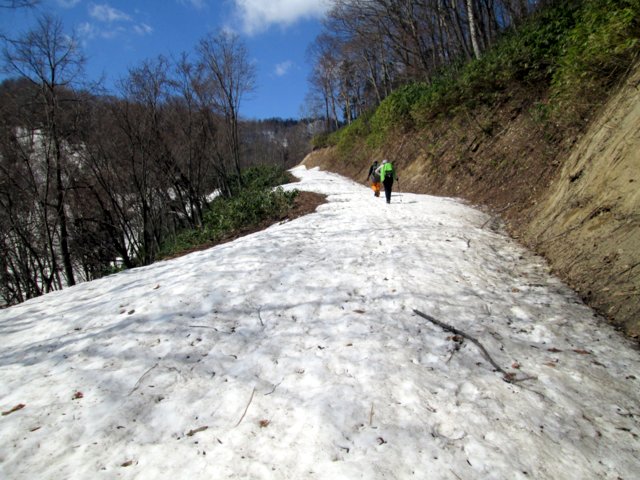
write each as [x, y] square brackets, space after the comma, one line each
[369, 48]
[93, 181]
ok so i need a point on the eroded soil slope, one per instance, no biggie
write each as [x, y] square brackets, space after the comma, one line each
[588, 223]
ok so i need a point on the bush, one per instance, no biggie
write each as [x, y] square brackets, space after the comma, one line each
[261, 176]
[527, 55]
[348, 139]
[248, 207]
[321, 141]
[600, 47]
[394, 113]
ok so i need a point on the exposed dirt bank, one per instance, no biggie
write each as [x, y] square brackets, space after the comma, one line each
[573, 198]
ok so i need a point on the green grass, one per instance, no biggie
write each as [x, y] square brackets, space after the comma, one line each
[258, 201]
[601, 47]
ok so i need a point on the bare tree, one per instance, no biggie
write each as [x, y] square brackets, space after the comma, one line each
[139, 115]
[229, 76]
[51, 60]
[110, 180]
[473, 33]
[28, 221]
[324, 77]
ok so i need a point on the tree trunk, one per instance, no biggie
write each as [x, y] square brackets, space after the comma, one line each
[473, 33]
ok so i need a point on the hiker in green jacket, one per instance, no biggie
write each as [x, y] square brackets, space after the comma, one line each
[387, 176]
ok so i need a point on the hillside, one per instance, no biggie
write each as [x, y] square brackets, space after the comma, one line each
[298, 352]
[573, 200]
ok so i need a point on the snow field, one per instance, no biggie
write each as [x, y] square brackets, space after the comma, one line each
[295, 353]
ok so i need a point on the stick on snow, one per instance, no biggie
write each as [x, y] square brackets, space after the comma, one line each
[507, 377]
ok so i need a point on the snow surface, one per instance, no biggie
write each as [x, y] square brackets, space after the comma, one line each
[294, 353]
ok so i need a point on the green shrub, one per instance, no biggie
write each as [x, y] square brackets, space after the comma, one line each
[249, 206]
[600, 47]
[320, 141]
[261, 176]
[348, 138]
[440, 98]
[394, 112]
[527, 55]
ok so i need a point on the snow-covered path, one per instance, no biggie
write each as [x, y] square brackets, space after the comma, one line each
[294, 353]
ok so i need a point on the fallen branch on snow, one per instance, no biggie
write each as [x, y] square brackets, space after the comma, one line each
[274, 388]
[191, 433]
[140, 380]
[494, 215]
[20, 406]
[506, 376]
[246, 408]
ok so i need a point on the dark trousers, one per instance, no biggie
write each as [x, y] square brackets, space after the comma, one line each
[388, 185]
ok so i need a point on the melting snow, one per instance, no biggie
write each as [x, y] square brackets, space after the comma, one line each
[295, 353]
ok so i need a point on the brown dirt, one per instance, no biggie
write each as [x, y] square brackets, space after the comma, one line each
[572, 197]
[588, 222]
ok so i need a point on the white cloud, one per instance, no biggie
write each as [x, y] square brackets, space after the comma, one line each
[143, 29]
[106, 13]
[111, 16]
[197, 4]
[258, 15]
[283, 68]
[112, 33]
[86, 31]
[68, 3]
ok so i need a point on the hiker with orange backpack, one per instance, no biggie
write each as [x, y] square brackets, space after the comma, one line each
[374, 177]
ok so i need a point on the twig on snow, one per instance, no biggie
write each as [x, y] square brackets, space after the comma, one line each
[246, 408]
[494, 215]
[191, 433]
[458, 342]
[462, 334]
[507, 377]
[19, 406]
[274, 388]
[260, 316]
[371, 415]
[135, 387]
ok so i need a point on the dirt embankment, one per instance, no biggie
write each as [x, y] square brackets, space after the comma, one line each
[588, 222]
[573, 198]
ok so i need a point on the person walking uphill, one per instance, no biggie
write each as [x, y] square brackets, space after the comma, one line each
[387, 175]
[374, 176]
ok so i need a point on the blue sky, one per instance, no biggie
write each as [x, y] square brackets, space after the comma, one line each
[119, 34]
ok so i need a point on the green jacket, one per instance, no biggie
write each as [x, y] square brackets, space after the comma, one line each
[387, 169]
